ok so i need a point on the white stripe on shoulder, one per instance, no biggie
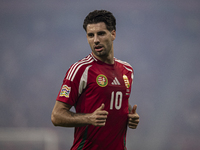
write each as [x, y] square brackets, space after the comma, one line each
[123, 62]
[79, 68]
[75, 65]
[128, 69]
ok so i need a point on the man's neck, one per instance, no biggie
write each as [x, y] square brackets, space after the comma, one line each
[106, 59]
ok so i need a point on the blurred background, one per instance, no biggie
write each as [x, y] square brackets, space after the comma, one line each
[40, 40]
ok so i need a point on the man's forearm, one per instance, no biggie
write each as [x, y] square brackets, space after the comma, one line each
[62, 116]
[69, 119]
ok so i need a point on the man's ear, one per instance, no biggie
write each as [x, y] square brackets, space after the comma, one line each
[113, 34]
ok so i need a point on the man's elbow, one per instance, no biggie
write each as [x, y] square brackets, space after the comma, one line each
[54, 119]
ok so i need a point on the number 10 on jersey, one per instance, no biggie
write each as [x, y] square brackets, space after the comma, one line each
[116, 100]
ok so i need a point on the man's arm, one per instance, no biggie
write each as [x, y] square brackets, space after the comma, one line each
[62, 116]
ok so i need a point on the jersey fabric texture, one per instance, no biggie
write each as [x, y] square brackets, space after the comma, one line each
[89, 83]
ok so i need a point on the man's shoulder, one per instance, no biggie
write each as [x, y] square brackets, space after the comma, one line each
[83, 62]
[79, 67]
[124, 64]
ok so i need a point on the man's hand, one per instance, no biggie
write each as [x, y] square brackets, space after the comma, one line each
[99, 116]
[133, 118]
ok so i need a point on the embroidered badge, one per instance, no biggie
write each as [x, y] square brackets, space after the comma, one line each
[65, 91]
[102, 80]
[126, 81]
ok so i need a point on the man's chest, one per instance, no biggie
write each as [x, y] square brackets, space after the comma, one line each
[108, 80]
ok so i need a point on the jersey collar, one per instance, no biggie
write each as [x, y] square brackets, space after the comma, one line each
[100, 62]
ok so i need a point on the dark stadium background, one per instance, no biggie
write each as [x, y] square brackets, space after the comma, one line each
[39, 40]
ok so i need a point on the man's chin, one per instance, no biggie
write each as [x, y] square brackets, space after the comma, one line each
[98, 53]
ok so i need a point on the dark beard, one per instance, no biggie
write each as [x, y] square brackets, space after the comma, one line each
[102, 54]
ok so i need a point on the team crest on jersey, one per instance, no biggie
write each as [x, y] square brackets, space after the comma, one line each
[102, 80]
[126, 81]
[65, 91]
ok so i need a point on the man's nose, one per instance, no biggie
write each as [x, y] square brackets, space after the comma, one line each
[96, 39]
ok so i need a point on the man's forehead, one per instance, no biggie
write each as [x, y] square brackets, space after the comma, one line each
[96, 27]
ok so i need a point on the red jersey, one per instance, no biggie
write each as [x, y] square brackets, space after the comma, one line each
[89, 83]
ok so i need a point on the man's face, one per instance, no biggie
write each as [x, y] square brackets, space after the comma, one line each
[100, 39]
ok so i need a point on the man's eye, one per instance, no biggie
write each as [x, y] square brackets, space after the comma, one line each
[101, 33]
[90, 35]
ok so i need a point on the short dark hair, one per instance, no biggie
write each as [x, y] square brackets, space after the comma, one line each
[100, 16]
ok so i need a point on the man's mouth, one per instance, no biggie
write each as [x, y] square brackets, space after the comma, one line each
[98, 48]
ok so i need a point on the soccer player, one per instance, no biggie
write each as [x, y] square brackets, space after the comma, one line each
[98, 86]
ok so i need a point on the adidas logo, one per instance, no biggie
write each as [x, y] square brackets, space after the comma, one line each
[115, 82]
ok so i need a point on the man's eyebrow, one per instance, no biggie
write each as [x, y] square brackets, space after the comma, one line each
[101, 31]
